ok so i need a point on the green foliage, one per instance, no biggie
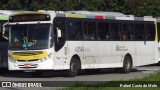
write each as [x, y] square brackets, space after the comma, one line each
[134, 7]
[92, 5]
[109, 85]
[12, 5]
[107, 88]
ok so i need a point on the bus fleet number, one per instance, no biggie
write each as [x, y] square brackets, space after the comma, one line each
[79, 49]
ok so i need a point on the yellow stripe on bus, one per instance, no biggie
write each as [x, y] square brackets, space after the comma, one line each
[27, 55]
[156, 36]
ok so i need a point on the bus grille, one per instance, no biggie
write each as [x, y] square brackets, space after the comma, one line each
[27, 60]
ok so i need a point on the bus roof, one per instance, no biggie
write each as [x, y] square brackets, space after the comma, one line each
[91, 15]
[32, 12]
[97, 13]
[103, 15]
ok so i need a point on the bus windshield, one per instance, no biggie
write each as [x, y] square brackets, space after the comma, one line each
[29, 36]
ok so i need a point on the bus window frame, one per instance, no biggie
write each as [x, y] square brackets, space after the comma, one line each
[151, 23]
[90, 21]
[58, 47]
[131, 23]
[109, 21]
[68, 29]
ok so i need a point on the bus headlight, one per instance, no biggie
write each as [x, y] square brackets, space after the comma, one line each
[12, 60]
[43, 59]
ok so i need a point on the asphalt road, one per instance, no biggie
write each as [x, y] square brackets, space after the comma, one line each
[103, 75]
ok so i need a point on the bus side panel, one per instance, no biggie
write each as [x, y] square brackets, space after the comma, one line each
[91, 54]
[117, 53]
[75, 48]
[158, 52]
[144, 53]
[140, 51]
[150, 52]
[61, 61]
[105, 57]
[130, 48]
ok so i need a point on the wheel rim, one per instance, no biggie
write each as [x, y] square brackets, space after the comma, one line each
[127, 65]
[74, 67]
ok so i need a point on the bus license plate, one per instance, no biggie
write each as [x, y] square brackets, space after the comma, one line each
[27, 65]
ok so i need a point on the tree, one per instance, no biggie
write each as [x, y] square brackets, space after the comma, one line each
[134, 7]
[12, 5]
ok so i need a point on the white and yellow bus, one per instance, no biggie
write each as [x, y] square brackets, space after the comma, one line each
[76, 40]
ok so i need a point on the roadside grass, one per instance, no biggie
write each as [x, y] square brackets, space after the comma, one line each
[152, 78]
[108, 88]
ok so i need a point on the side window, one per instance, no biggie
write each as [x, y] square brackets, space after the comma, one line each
[90, 31]
[150, 31]
[128, 32]
[103, 31]
[139, 32]
[116, 29]
[59, 24]
[75, 30]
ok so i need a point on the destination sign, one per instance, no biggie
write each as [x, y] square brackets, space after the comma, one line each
[29, 17]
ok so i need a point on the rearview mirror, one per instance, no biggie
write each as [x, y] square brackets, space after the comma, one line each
[59, 33]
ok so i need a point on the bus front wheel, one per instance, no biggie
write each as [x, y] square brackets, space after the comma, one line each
[74, 68]
[127, 64]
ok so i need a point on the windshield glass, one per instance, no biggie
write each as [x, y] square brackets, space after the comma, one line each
[29, 36]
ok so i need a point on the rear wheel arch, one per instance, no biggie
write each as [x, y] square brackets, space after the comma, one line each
[129, 55]
[74, 66]
[127, 64]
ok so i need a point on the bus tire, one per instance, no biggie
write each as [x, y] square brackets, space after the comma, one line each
[36, 74]
[127, 64]
[74, 67]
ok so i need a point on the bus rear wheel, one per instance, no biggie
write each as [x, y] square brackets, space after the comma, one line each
[74, 68]
[127, 64]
